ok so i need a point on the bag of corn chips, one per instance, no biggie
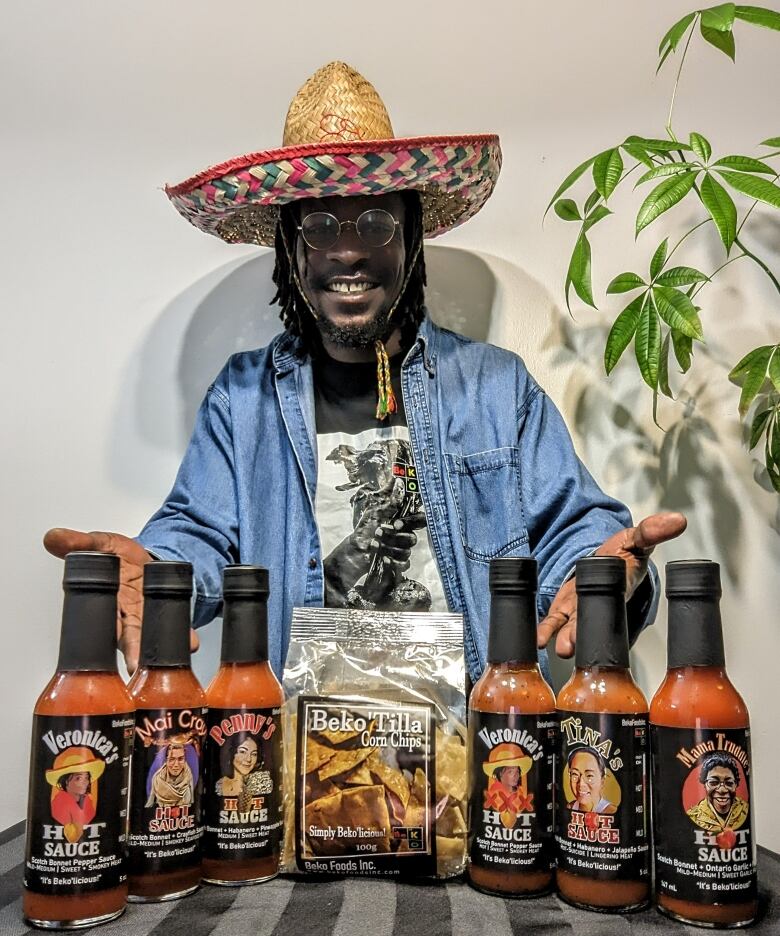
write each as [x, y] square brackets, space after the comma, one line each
[375, 744]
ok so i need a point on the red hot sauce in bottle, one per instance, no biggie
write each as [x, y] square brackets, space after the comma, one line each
[170, 725]
[75, 870]
[602, 809]
[242, 796]
[512, 731]
[705, 861]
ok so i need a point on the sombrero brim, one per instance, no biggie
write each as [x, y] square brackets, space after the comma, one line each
[94, 768]
[523, 763]
[239, 200]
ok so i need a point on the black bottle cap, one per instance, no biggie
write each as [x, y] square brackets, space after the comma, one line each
[693, 578]
[167, 578]
[600, 574]
[93, 571]
[245, 581]
[513, 575]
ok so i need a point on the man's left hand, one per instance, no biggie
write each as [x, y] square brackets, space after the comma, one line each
[634, 545]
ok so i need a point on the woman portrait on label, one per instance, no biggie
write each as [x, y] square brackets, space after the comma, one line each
[73, 802]
[242, 770]
[587, 776]
[173, 783]
[720, 808]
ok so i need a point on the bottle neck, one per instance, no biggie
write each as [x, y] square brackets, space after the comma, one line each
[512, 628]
[88, 635]
[245, 630]
[165, 636]
[602, 632]
[695, 633]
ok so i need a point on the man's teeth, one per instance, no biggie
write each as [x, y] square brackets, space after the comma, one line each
[341, 287]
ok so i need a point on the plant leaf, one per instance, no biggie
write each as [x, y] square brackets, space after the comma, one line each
[637, 152]
[621, 333]
[749, 360]
[663, 368]
[598, 214]
[757, 429]
[758, 16]
[719, 17]
[647, 344]
[760, 189]
[772, 141]
[701, 146]
[752, 371]
[683, 346]
[570, 179]
[667, 170]
[773, 369]
[579, 273]
[677, 310]
[745, 164]
[607, 170]
[672, 38]
[663, 197]
[657, 263]
[591, 202]
[723, 41]
[657, 146]
[625, 282]
[567, 209]
[681, 276]
[722, 209]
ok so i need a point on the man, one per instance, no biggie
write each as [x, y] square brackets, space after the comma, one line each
[366, 457]
[721, 808]
[587, 774]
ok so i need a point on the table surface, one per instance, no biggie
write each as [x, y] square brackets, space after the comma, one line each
[365, 907]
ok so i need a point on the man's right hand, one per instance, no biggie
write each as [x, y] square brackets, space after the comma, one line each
[130, 600]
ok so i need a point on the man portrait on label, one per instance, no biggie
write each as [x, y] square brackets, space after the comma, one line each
[242, 775]
[587, 775]
[173, 784]
[721, 808]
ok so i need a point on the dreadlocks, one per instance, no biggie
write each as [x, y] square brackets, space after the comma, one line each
[293, 312]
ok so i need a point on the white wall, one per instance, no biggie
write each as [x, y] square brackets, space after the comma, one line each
[116, 314]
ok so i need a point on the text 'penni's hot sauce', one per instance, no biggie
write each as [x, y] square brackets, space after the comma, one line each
[75, 871]
[705, 852]
[602, 809]
[242, 795]
[170, 725]
[511, 746]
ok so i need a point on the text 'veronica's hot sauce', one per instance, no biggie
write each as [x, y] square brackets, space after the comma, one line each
[705, 863]
[170, 725]
[75, 870]
[602, 807]
[242, 796]
[511, 746]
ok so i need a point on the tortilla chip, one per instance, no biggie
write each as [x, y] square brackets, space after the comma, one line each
[339, 737]
[343, 761]
[360, 776]
[419, 786]
[361, 807]
[451, 776]
[451, 822]
[316, 754]
[315, 788]
[393, 779]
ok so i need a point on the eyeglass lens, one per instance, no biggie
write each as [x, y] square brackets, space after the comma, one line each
[374, 227]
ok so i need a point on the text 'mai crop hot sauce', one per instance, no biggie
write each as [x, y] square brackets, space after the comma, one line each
[170, 725]
[242, 796]
[75, 870]
[705, 862]
[602, 808]
[512, 736]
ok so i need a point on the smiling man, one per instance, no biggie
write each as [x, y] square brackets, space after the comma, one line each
[366, 457]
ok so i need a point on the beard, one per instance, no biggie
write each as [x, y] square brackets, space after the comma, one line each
[356, 337]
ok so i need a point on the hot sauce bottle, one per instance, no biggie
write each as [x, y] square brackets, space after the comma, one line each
[170, 725]
[705, 862]
[242, 796]
[602, 820]
[512, 732]
[75, 866]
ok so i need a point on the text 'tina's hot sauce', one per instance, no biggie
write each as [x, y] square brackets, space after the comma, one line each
[242, 796]
[75, 871]
[170, 725]
[602, 808]
[705, 862]
[511, 746]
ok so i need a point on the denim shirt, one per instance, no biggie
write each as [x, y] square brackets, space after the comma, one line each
[497, 470]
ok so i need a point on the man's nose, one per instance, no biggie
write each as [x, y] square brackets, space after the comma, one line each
[349, 249]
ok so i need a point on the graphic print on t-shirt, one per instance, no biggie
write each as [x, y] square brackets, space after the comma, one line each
[371, 520]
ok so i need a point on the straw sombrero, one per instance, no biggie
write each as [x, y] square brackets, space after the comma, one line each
[507, 755]
[338, 140]
[75, 760]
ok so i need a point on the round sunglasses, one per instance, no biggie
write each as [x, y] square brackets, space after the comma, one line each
[320, 230]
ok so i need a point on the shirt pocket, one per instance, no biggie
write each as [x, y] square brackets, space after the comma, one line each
[486, 490]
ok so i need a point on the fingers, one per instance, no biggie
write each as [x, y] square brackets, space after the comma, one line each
[567, 637]
[658, 528]
[563, 606]
[59, 541]
[194, 641]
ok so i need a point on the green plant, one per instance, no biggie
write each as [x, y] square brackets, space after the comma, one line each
[664, 317]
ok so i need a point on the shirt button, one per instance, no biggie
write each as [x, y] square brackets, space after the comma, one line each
[312, 563]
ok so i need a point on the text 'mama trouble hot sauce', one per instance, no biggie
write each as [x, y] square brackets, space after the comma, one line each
[242, 796]
[602, 809]
[170, 725]
[705, 863]
[511, 746]
[75, 866]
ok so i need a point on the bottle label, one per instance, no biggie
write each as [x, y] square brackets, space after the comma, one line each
[511, 799]
[602, 821]
[242, 802]
[165, 826]
[704, 846]
[77, 814]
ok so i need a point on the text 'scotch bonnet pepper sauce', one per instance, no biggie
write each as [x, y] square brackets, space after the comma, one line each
[170, 726]
[602, 808]
[705, 861]
[512, 732]
[242, 795]
[75, 871]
